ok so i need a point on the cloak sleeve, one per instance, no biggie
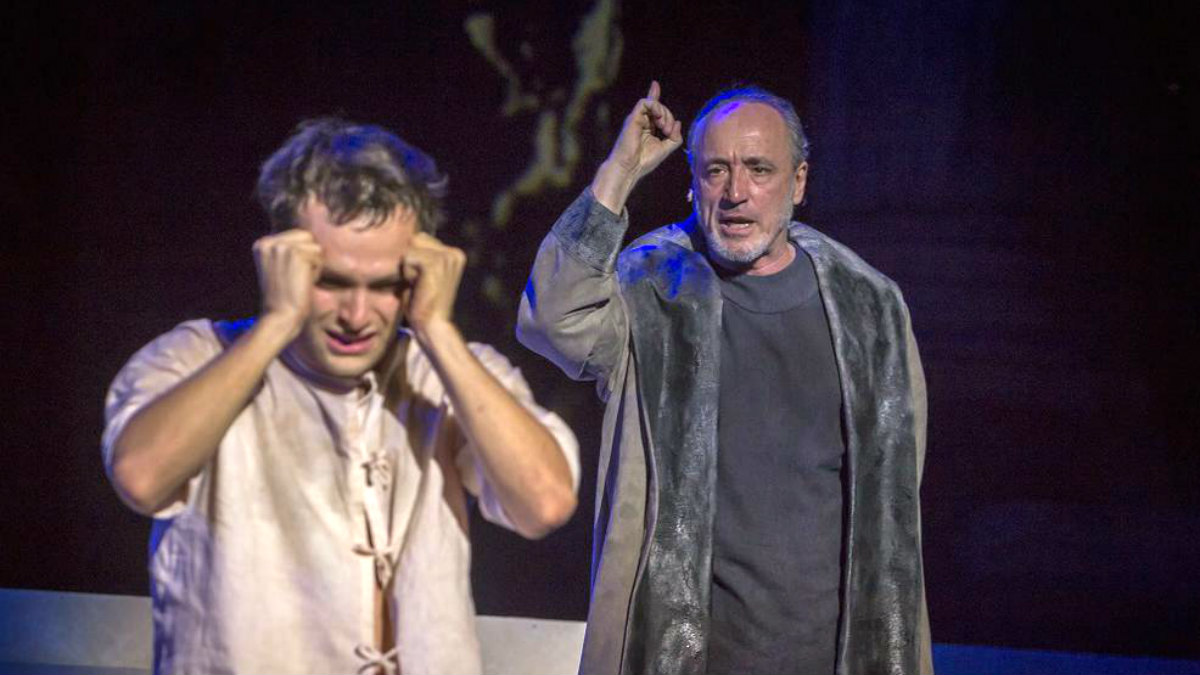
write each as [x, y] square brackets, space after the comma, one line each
[571, 311]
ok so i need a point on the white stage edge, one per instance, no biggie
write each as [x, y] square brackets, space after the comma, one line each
[55, 633]
[44, 632]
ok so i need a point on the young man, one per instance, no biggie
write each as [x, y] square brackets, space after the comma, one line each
[306, 469]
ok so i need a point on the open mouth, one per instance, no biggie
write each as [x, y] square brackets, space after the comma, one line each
[735, 225]
[341, 343]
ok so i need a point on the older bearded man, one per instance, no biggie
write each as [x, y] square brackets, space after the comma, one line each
[765, 429]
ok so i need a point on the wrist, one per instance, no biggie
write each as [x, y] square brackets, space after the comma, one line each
[278, 328]
[437, 335]
[612, 185]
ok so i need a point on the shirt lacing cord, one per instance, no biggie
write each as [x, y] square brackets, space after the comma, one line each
[379, 470]
[387, 663]
[384, 566]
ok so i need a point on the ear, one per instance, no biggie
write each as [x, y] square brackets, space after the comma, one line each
[801, 179]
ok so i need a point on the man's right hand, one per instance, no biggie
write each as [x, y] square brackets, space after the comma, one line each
[170, 438]
[649, 135]
[288, 264]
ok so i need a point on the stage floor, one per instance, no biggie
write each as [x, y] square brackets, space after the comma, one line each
[44, 632]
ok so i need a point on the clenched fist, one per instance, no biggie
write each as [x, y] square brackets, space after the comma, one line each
[288, 264]
[650, 133]
[432, 271]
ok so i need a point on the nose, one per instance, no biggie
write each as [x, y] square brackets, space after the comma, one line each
[737, 186]
[353, 310]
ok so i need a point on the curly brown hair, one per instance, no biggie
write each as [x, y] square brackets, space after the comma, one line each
[354, 170]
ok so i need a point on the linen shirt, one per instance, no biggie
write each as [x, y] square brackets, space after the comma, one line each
[313, 500]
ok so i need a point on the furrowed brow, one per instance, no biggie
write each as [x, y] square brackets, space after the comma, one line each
[758, 161]
[329, 276]
[386, 282]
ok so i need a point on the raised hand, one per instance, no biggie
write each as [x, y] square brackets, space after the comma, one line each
[288, 264]
[171, 438]
[650, 133]
[433, 271]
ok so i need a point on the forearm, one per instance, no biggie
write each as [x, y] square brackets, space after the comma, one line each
[521, 459]
[170, 439]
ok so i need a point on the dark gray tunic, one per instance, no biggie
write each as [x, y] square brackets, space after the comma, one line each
[778, 522]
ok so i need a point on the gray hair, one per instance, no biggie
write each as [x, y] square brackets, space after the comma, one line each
[354, 170]
[753, 94]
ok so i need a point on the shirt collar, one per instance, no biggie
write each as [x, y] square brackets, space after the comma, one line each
[362, 386]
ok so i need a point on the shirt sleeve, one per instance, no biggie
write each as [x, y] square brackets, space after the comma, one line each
[151, 372]
[470, 468]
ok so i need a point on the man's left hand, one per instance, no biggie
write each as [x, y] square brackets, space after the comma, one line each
[433, 272]
[520, 457]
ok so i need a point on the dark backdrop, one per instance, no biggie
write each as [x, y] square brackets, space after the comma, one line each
[1027, 171]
